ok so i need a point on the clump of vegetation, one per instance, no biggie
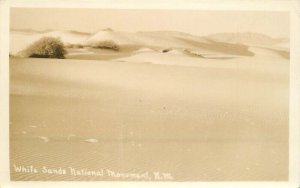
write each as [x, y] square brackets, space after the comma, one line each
[46, 47]
[106, 44]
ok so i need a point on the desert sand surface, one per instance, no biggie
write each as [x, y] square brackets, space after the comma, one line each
[206, 110]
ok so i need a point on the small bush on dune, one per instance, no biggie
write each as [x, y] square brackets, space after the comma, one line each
[46, 47]
[107, 44]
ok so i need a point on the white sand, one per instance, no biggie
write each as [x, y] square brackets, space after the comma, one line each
[191, 121]
[219, 117]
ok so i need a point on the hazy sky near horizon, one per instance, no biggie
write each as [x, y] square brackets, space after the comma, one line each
[275, 24]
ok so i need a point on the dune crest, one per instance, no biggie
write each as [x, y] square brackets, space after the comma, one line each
[222, 43]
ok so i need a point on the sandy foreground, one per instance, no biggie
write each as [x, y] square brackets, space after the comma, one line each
[128, 119]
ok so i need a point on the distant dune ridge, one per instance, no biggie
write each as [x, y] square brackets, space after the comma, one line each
[234, 44]
[247, 38]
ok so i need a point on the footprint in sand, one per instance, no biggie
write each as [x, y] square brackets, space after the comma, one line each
[43, 138]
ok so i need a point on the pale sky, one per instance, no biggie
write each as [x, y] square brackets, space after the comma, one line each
[275, 24]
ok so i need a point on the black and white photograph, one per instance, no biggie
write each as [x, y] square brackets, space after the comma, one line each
[149, 95]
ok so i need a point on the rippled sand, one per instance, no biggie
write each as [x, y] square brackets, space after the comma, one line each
[194, 123]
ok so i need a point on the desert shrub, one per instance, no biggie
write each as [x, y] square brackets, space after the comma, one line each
[46, 47]
[106, 44]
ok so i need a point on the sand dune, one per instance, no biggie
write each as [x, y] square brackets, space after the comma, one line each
[118, 37]
[145, 39]
[198, 108]
[283, 45]
[274, 53]
[232, 44]
[194, 122]
[212, 59]
[68, 37]
[249, 38]
[20, 40]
